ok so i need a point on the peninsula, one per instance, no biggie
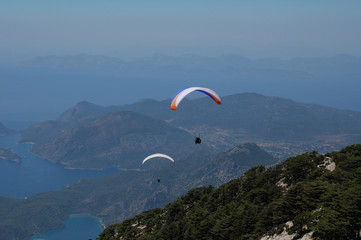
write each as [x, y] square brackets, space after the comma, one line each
[7, 154]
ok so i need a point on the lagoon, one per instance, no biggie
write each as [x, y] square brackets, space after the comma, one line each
[36, 175]
[76, 227]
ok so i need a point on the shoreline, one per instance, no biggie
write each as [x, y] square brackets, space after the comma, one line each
[8, 155]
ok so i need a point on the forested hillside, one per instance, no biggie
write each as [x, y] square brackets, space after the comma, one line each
[310, 195]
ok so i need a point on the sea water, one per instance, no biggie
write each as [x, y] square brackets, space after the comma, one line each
[34, 174]
[77, 227]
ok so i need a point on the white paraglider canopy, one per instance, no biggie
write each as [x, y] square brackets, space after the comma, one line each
[159, 155]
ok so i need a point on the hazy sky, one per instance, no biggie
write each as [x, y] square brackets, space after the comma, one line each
[133, 28]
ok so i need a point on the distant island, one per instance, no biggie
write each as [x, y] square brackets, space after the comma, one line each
[7, 154]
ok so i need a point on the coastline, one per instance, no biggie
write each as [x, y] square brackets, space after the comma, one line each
[74, 221]
[9, 155]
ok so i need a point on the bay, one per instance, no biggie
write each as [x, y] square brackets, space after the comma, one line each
[36, 175]
[76, 227]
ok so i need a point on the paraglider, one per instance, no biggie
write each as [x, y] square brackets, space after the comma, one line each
[157, 155]
[197, 140]
[183, 93]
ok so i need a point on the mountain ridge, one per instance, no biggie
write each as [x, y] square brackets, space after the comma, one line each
[79, 61]
[315, 80]
[274, 123]
[193, 62]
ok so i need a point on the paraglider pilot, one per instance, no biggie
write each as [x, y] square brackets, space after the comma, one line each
[197, 140]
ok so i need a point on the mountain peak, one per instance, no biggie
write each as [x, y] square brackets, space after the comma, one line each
[243, 148]
[249, 154]
[80, 110]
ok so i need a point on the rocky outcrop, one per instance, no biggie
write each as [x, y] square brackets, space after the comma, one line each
[328, 163]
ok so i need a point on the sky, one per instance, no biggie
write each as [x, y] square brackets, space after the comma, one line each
[129, 29]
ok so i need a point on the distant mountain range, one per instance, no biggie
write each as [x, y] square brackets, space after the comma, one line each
[91, 136]
[81, 61]
[226, 64]
[116, 197]
[330, 81]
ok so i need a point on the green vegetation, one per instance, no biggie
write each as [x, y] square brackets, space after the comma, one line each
[119, 196]
[305, 189]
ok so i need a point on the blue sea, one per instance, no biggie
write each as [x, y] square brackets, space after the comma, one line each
[77, 227]
[36, 175]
